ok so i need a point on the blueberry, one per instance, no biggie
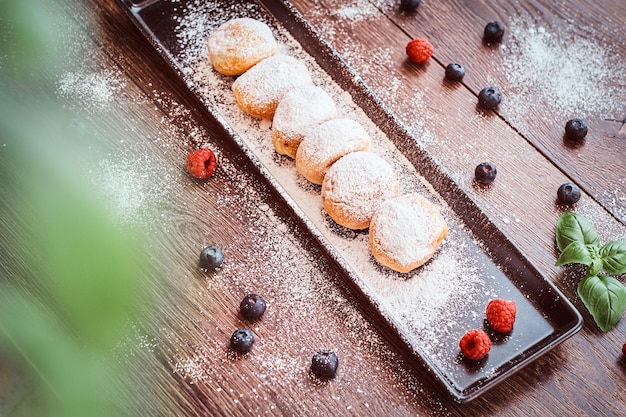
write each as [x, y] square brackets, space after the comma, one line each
[485, 173]
[455, 72]
[242, 340]
[568, 193]
[211, 257]
[489, 98]
[409, 5]
[575, 129]
[252, 307]
[494, 31]
[325, 363]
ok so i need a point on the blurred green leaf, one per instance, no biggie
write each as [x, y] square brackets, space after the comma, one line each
[72, 278]
[72, 379]
[29, 37]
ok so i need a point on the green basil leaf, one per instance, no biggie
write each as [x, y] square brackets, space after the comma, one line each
[605, 298]
[595, 267]
[613, 256]
[575, 253]
[572, 227]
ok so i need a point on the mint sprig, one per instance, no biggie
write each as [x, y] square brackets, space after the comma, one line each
[602, 294]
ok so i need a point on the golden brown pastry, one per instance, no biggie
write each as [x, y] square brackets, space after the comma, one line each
[405, 232]
[355, 186]
[300, 110]
[239, 44]
[328, 142]
[259, 90]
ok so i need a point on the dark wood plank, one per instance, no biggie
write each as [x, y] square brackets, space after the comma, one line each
[573, 54]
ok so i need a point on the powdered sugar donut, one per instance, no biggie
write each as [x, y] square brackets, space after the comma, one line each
[239, 44]
[355, 186]
[328, 142]
[259, 90]
[301, 109]
[405, 232]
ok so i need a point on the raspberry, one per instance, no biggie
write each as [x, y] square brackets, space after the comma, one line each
[419, 50]
[624, 349]
[501, 315]
[475, 344]
[201, 163]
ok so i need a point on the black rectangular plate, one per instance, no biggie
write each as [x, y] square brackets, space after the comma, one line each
[549, 318]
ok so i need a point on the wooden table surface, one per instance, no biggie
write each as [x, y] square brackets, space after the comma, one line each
[183, 345]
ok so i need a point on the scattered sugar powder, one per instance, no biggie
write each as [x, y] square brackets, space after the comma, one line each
[586, 78]
[607, 228]
[297, 285]
[355, 11]
[616, 199]
[415, 117]
[133, 187]
[91, 90]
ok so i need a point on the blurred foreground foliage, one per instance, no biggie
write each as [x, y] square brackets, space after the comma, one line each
[70, 277]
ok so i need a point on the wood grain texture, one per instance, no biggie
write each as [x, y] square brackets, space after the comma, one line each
[597, 25]
[185, 365]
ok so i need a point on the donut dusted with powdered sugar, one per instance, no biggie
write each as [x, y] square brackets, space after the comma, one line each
[239, 44]
[300, 111]
[328, 142]
[259, 90]
[406, 231]
[355, 186]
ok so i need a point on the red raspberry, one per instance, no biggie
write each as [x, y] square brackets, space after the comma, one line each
[501, 315]
[475, 344]
[201, 163]
[419, 50]
[624, 349]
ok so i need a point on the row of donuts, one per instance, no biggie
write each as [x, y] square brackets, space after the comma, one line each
[359, 189]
